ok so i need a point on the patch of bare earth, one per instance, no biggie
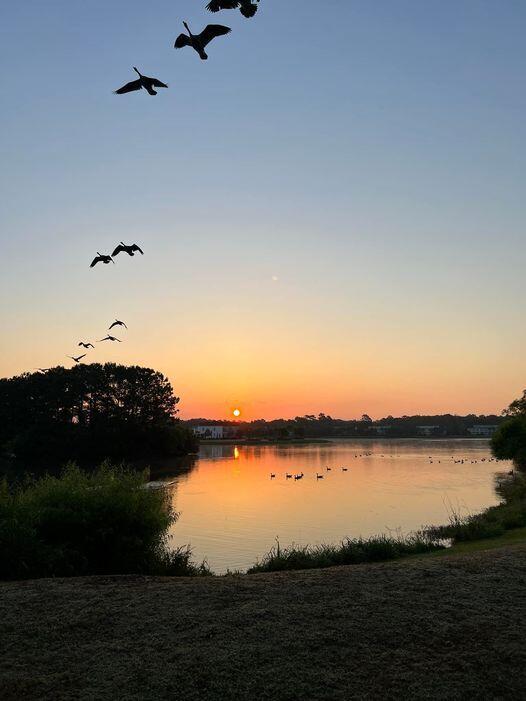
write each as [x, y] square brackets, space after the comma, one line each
[444, 628]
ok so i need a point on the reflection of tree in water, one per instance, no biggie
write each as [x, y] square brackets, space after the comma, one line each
[166, 468]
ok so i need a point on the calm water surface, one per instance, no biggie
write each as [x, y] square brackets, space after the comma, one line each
[231, 511]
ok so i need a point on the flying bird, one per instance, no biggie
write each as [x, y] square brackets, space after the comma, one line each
[101, 258]
[109, 338]
[199, 41]
[143, 82]
[86, 345]
[247, 7]
[117, 323]
[130, 250]
[78, 358]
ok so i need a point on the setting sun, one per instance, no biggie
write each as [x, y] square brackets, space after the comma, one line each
[237, 412]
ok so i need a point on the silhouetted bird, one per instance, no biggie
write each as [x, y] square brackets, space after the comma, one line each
[86, 345]
[143, 82]
[101, 258]
[130, 250]
[199, 41]
[247, 7]
[78, 358]
[117, 323]
[109, 338]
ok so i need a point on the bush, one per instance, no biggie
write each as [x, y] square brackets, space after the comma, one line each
[106, 522]
[351, 551]
[509, 441]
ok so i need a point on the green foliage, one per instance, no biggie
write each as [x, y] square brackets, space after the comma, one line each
[351, 551]
[509, 441]
[106, 522]
[91, 412]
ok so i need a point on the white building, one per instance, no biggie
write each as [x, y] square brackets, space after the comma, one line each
[482, 431]
[427, 430]
[216, 432]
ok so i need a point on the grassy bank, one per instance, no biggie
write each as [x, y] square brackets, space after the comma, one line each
[438, 627]
[351, 551]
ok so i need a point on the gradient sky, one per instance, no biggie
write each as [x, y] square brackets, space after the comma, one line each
[332, 207]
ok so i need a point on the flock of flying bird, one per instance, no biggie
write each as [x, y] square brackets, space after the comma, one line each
[198, 42]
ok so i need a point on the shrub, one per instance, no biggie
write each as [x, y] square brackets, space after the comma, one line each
[106, 522]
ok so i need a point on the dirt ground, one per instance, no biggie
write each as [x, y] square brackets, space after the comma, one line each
[440, 628]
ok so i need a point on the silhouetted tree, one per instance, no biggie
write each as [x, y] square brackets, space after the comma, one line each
[91, 411]
[509, 441]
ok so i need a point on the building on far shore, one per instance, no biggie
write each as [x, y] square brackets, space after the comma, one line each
[482, 431]
[214, 432]
[382, 430]
[429, 430]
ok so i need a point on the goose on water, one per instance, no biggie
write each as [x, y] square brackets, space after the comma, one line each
[198, 42]
[247, 7]
[143, 82]
[101, 258]
[130, 250]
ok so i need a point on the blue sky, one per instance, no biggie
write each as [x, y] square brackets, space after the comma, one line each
[371, 156]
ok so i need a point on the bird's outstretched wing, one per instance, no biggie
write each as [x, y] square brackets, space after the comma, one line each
[95, 261]
[137, 248]
[118, 250]
[216, 5]
[129, 87]
[157, 83]
[182, 40]
[104, 339]
[212, 31]
[80, 357]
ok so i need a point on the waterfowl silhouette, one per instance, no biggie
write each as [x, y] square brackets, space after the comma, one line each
[130, 250]
[117, 323]
[143, 82]
[101, 258]
[86, 345]
[109, 338]
[247, 7]
[198, 42]
[78, 358]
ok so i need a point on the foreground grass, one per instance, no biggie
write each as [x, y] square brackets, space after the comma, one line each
[448, 627]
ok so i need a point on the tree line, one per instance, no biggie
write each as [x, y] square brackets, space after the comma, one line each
[91, 412]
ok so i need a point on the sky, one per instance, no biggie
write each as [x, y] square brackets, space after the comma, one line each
[332, 207]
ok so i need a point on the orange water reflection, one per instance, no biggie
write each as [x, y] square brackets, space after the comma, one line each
[232, 511]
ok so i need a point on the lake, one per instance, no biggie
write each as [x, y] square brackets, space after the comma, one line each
[231, 511]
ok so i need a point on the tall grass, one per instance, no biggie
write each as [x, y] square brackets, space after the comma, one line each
[494, 521]
[350, 551]
[105, 522]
